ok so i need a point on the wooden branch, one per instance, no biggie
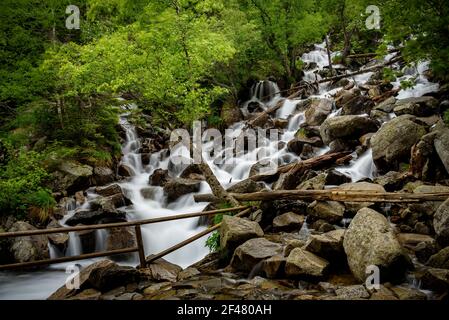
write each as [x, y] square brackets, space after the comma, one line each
[333, 195]
[261, 116]
[329, 54]
[212, 180]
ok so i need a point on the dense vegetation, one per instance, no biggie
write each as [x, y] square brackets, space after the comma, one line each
[179, 60]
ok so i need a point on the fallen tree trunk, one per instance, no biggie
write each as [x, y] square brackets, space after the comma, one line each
[332, 195]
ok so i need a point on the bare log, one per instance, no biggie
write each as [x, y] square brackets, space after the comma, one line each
[333, 195]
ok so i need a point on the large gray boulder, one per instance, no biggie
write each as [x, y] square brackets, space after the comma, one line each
[102, 275]
[30, 248]
[394, 140]
[346, 127]
[301, 263]
[235, 231]
[370, 240]
[420, 107]
[318, 111]
[441, 223]
[253, 251]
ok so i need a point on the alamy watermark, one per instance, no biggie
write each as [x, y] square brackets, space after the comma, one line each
[73, 20]
[373, 21]
[72, 282]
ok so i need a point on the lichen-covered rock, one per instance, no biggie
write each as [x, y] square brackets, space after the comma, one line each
[235, 231]
[178, 187]
[440, 259]
[420, 107]
[346, 127]
[287, 222]
[71, 176]
[253, 251]
[370, 240]
[330, 211]
[328, 245]
[318, 111]
[441, 223]
[30, 248]
[394, 140]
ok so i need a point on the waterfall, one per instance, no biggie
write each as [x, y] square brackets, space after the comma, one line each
[158, 237]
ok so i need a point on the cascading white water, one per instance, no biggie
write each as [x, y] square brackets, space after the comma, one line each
[38, 285]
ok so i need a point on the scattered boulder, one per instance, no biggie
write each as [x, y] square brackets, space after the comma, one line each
[271, 209]
[346, 127]
[352, 292]
[235, 231]
[245, 186]
[102, 275]
[404, 293]
[59, 240]
[386, 106]
[87, 217]
[316, 183]
[120, 238]
[328, 245]
[178, 187]
[305, 264]
[30, 248]
[357, 105]
[162, 270]
[71, 176]
[318, 111]
[441, 144]
[109, 190]
[424, 250]
[102, 176]
[421, 107]
[370, 240]
[295, 146]
[441, 223]
[125, 171]
[394, 140]
[440, 259]
[330, 211]
[273, 267]
[288, 222]
[435, 279]
[253, 251]
[393, 181]
[159, 177]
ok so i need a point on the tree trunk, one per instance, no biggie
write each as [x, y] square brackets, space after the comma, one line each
[333, 195]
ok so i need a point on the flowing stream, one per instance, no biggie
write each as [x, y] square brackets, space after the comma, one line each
[150, 201]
